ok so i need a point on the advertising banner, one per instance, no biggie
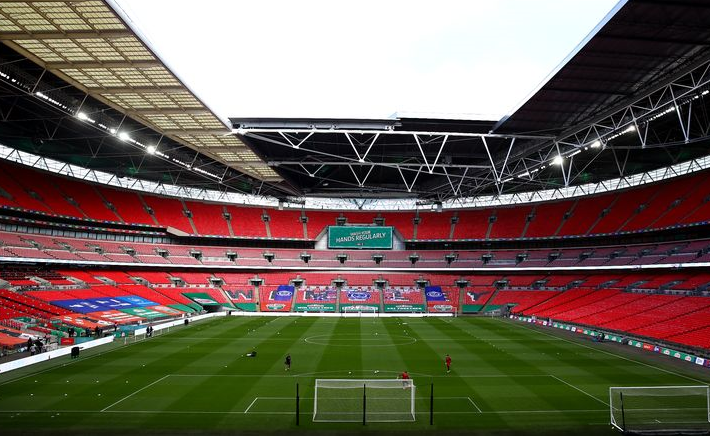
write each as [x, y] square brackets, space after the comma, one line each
[313, 307]
[404, 308]
[367, 237]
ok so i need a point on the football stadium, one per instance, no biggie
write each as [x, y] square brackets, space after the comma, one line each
[165, 270]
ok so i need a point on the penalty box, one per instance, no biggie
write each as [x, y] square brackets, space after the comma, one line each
[275, 394]
[286, 405]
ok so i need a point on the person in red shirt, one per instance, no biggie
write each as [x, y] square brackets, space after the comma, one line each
[404, 376]
[448, 363]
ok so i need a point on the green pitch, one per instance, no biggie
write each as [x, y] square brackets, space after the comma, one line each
[505, 377]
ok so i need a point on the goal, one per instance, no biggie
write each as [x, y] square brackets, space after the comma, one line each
[348, 400]
[660, 409]
[360, 309]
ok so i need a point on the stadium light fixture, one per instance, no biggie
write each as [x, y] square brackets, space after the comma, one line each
[82, 116]
[123, 136]
[150, 149]
[596, 144]
[558, 160]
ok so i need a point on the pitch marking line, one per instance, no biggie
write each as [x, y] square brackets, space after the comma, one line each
[579, 389]
[132, 394]
[475, 405]
[252, 403]
[214, 412]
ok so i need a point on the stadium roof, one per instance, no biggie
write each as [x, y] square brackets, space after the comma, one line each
[92, 46]
[85, 87]
[637, 83]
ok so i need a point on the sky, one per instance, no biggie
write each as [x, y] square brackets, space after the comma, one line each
[364, 59]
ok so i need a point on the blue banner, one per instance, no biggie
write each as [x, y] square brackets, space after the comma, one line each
[358, 296]
[282, 293]
[135, 301]
[105, 303]
[80, 306]
[433, 293]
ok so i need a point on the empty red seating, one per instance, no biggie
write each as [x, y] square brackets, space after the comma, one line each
[44, 185]
[521, 299]
[473, 224]
[623, 209]
[547, 219]
[666, 195]
[434, 225]
[169, 212]
[318, 221]
[510, 222]
[585, 213]
[87, 199]
[402, 222]
[246, 221]
[128, 205]
[208, 218]
[285, 224]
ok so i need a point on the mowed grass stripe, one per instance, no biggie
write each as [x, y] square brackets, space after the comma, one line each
[497, 363]
[604, 354]
[554, 394]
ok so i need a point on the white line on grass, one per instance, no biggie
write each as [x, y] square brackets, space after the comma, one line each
[353, 378]
[579, 389]
[132, 394]
[610, 353]
[252, 403]
[216, 412]
[475, 405]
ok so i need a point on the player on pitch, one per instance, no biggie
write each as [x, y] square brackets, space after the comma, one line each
[447, 360]
[287, 362]
[404, 376]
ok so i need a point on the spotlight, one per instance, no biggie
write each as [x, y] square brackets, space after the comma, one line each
[150, 149]
[123, 136]
[82, 116]
[596, 144]
[558, 160]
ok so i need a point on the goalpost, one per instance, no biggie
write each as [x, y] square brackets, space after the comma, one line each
[348, 400]
[360, 310]
[660, 409]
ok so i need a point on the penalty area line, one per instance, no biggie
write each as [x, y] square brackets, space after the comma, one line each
[133, 393]
[475, 405]
[252, 403]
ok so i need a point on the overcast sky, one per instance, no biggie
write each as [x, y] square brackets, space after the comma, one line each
[364, 58]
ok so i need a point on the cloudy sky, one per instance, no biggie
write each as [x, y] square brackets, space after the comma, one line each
[312, 58]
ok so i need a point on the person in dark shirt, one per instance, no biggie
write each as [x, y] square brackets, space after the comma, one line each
[288, 362]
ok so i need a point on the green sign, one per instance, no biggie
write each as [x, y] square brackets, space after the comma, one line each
[402, 308]
[359, 307]
[143, 312]
[313, 307]
[359, 237]
[201, 298]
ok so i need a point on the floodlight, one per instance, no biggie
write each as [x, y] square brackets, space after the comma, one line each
[558, 160]
[150, 149]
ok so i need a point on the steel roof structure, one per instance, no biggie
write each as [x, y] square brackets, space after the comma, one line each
[79, 84]
[92, 46]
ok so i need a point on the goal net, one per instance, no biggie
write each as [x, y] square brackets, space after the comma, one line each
[660, 409]
[348, 400]
[359, 310]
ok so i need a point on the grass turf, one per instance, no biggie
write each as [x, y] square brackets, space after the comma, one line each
[506, 377]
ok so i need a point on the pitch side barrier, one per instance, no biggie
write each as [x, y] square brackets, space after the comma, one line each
[65, 351]
[345, 315]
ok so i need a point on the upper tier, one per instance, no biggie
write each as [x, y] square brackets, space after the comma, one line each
[680, 201]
